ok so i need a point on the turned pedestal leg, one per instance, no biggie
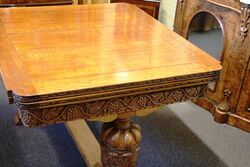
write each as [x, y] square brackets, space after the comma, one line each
[120, 141]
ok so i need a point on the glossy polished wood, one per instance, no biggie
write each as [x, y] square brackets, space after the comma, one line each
[56, 49]
[63, 63]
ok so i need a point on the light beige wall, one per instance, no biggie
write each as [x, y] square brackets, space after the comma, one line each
[166, 15]
[167, 12]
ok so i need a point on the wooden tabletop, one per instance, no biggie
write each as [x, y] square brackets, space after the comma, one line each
[45, 50]
[62, 63]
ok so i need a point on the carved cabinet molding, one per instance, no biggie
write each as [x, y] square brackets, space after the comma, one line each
[229, 102]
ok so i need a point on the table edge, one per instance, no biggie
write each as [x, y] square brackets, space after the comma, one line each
[104, 92]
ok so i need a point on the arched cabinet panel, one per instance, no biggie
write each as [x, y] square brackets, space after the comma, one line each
[229, 99]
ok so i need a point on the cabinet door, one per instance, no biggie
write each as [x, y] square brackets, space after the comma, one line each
[152, 8]
[243, 108]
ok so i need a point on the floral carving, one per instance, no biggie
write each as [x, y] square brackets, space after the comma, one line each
[181, 3]
[159, 97]
[177, 95]
[191, 92]
[111, 107]
[98, 108]
[27, 117]
[245, 21]
[47, 115]
[224, 104]
[71, 113]
[142, 101]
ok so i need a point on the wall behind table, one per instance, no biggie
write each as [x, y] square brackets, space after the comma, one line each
[167, 12]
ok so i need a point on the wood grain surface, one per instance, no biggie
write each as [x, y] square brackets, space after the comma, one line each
[45, 50]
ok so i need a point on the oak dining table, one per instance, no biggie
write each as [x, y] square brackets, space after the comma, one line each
[98, 62]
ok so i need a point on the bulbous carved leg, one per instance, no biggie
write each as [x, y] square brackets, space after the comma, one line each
[120, 141]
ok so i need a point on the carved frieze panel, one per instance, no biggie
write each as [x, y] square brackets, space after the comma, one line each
[110, 106]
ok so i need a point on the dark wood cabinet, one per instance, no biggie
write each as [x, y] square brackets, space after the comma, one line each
[150, 7]
[11, 3]
[243, 107]
[229, 102]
